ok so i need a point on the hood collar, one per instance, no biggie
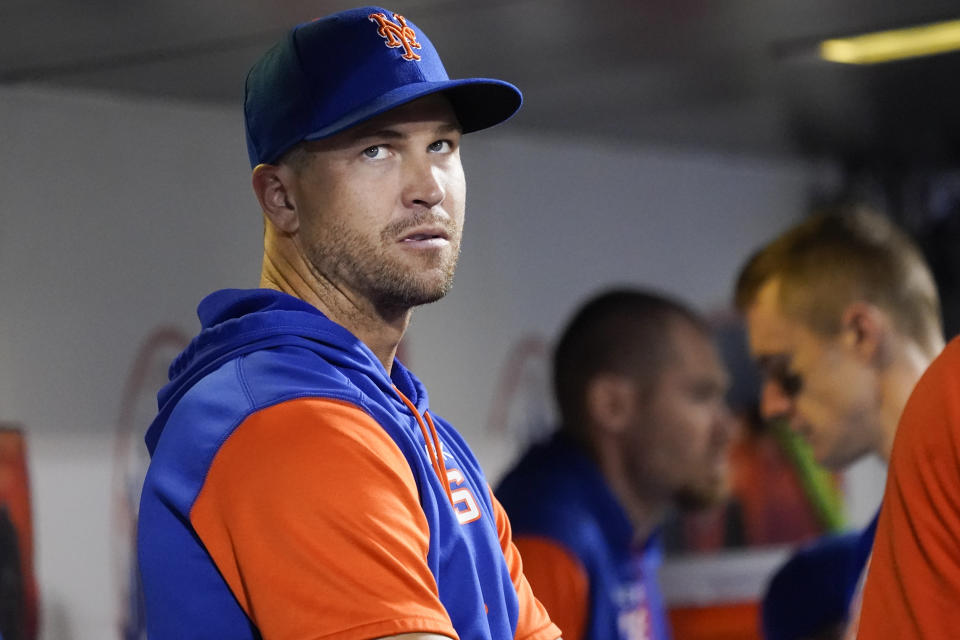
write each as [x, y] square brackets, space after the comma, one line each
[235, 322]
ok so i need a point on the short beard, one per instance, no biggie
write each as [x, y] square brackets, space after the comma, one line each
[388, 285]
[390, 290]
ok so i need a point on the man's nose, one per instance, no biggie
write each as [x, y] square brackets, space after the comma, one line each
[424, 186]
[774, 401]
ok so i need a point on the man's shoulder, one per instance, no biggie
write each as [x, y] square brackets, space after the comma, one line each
[952, 351]
[545, 496]
[275, 375]
[261, 379]
[213, 409]
[217, 404]
[552, 473]
[944, 371]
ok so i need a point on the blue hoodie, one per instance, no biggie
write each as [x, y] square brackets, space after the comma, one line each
[257, 349]
[556, 493]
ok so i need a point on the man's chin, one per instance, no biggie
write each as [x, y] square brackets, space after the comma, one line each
[415, 294]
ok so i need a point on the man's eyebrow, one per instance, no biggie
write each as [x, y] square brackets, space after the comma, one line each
[386, 133]
[449, 127]
[393, 134]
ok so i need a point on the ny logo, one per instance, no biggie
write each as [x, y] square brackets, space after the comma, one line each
[397, 35]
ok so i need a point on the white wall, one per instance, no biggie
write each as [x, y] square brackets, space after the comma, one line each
[117, 217]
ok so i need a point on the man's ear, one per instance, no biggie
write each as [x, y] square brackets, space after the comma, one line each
[865, 329]
[272, 185]
[611, 401]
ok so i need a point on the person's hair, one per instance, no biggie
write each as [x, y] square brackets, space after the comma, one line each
[296, 157]
[620, 331]
[844, 255]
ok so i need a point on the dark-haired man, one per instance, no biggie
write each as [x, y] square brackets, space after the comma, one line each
[644, 428]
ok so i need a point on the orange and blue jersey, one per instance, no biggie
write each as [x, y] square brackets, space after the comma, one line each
[296, 490]
[579, 548]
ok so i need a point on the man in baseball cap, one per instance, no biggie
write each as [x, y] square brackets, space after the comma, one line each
[299, 485]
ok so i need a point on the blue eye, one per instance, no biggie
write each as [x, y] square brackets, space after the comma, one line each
[440, 146]
[374, 152]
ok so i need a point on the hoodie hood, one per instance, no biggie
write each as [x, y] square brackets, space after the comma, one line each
[235, 322]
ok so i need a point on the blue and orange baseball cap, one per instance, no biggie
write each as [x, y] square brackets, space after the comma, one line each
[335, 72]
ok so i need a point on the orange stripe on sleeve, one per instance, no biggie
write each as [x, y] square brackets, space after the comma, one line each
[559, 581]
[534, 621]
[311, 514]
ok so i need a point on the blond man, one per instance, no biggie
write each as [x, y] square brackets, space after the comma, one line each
[843, 317]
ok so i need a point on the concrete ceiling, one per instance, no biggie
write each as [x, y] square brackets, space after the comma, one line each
[732, 76]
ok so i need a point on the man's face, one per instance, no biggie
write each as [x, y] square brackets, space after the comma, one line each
[677, 447]
[381, 206]
[818, 384]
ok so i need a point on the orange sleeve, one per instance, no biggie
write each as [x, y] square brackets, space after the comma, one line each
[311, 514]
[533, 622]
[560, 582]
[913, 580]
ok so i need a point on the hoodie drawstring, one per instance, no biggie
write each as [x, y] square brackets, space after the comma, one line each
[433, 443]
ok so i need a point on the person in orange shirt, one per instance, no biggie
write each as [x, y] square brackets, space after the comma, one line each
[912, 588]
[843, 317]
[644, 428]
[299, 484]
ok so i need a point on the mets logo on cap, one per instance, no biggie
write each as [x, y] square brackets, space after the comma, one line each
[397, 35]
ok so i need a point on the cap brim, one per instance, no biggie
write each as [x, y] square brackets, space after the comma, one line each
[479, 103]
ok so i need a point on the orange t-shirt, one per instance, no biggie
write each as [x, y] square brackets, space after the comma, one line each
[913, 583]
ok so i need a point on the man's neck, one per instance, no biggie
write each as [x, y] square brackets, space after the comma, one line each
[644, 512]
[896, 386]
[379, 329]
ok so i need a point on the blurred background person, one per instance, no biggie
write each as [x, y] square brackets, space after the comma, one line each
[843, 317]
[778, 493]
[644, 428]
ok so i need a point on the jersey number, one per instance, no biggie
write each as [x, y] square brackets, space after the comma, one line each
[463, 501]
